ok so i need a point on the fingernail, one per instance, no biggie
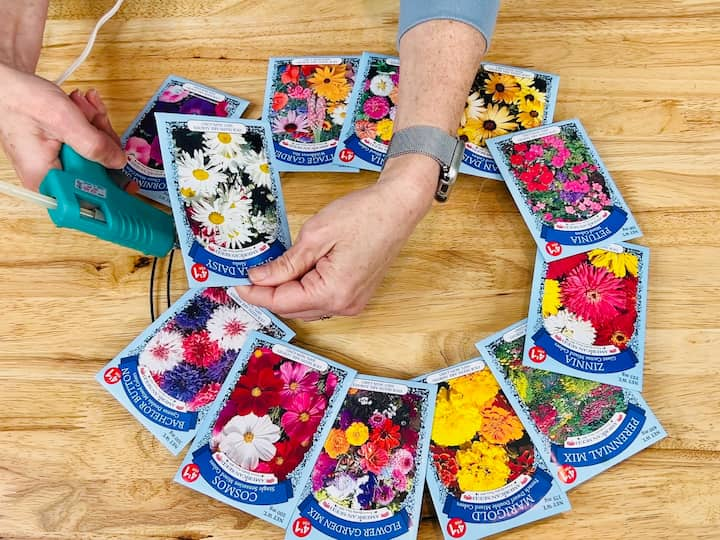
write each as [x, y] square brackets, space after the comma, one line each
[258, 273]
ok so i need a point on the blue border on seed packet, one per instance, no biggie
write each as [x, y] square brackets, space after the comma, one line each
[153, 186]
[402, 525]
[542, 497]
[620, 368]
[138, 399]
[219, 271]
[364, 157]
[285, 494]
[638, 429]
[556, 244]
[297, 160]
[474, 162]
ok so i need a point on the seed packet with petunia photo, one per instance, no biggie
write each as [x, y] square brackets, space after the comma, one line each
[587, 315]
[140, 140]
[368, 128]
[306, 103]
[563, 191]
[368, 480]
[256, 447]
[503, 99]
[584, 427]
[225, 195]
[169, 376]
[486, 474]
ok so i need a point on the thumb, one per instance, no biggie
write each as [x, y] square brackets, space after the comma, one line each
[292, 265]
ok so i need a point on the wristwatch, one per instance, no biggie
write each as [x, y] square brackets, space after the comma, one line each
[435, 143]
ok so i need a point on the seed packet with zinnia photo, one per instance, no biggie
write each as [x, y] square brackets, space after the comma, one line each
[486, 474]
[141, 142]
[368, 480]
[257, 445]
[171, 373]
[585, 427]
[587, 315]
[306, 101]
[564, 193]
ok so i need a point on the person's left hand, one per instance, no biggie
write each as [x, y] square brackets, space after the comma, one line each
[342, 253]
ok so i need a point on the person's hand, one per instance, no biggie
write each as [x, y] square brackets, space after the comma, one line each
[341, 254]
[36, 117]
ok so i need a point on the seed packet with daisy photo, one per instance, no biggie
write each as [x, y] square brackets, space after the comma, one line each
[141, 142]
[584, 427]
[486, 474]
[587, 315]
[368, 480]
[564, 192]
[256, 446]
[368, 129]
[169, 376]
[225, 195]
[306, 103]
[503, 99]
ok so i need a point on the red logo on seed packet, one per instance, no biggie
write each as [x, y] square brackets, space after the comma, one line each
[537, 354]
[190, 472]
[553, 248]
[301, 527]
[456, 527]
[112, 375]
[346, 155]
[199, 272]
[567, 474]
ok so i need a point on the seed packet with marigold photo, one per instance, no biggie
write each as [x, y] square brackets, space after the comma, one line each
[169, 376]
[368, 128]
[225, 195]
[584, 427]
[587, 315]
[306, 102]
[486, 474]
[140, 140]
[256, 447]
[368, 480]
[564, 192]
[503, 99]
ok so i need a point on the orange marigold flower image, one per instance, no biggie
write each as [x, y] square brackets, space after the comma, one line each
[500, 426]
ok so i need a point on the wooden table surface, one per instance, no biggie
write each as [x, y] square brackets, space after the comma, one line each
[644, 77]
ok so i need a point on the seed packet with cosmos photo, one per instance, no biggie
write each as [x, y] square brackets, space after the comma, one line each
[587, 315]
[140, 140]
[256, 447]
[306, 103]
[564, 192]
[225, 195]
[503, 99]
[170, 374]
[486, 474]
[368, 480]
[584, 427]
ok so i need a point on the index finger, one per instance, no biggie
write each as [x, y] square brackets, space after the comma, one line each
[290, 297]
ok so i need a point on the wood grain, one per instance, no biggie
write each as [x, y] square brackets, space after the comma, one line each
[644, 77]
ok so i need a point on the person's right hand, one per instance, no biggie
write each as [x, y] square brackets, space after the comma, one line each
[36, 117]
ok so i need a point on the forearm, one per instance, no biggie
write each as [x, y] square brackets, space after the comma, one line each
[21, 32]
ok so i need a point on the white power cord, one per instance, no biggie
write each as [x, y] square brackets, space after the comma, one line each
[91, 41]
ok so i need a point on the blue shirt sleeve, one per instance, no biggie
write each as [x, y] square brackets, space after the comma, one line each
[480, 14]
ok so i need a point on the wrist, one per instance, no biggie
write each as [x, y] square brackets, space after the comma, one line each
[413, 179]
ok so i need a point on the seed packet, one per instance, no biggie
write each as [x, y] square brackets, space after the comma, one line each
[306, 103]
[225, 195]
[256, 447]
[169, 376]
[368, 129]
[368, 480]
[585, 427]
[140, 140]
[486, 474]
[587, 315]
[503, 99]
[564, 192]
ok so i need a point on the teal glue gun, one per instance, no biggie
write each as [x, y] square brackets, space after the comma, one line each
[90, 201]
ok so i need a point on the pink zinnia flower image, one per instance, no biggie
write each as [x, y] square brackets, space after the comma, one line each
[376, 107]
[139, 149]
[593, 293]
[365, 129]
[173, 94]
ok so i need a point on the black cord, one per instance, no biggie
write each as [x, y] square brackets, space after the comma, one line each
[169, 276]
[152, 290]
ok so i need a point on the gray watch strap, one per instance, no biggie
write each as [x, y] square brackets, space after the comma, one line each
[427, 140]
